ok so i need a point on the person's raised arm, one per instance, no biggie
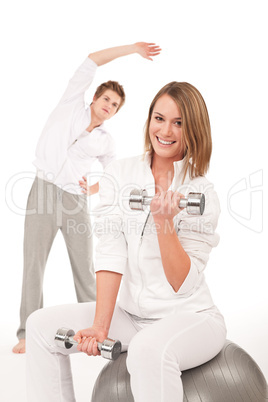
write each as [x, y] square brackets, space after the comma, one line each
[144, 49]
[108, 284]
[175, 260]
[184, 254]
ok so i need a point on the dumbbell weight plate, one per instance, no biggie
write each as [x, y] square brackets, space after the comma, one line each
[61, 336]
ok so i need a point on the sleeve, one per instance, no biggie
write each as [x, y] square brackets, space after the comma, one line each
[108, 157]
[80, 82]
[111, 250]
[198, 236]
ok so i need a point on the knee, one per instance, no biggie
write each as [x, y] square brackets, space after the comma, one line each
[38, 326]
[32, 321]
[34, 324]
[143, 354]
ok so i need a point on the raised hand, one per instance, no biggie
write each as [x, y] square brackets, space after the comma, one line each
[147, 50]
[165, 205]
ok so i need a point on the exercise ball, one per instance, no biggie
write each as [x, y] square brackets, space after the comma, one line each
[232, 376]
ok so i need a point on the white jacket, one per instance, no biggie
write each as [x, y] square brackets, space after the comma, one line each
[130, 247]
[65, 150]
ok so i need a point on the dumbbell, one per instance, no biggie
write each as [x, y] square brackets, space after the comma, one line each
[109, 348]
[194, 202]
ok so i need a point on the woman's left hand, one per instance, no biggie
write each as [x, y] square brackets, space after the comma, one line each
[147, 50]
[165, 205]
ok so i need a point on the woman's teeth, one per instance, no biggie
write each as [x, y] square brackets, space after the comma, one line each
[165, 142]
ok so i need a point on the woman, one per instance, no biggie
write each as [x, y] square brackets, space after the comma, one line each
[165, 316]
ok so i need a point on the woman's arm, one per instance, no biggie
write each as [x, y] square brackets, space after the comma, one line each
[146, 50]
[111, 259]
[108, 284]
[175, 260]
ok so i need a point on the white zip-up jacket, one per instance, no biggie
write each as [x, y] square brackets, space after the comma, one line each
[128, 241]
[65, 150]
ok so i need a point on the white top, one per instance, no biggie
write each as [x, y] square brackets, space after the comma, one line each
[65, 150]
[128, 241]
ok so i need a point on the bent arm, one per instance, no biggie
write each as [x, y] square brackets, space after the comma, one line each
[93, 189]
[110, 263]
[185, 255]
[84, 75]
[146, 50]
[108, 284]
[175, 260]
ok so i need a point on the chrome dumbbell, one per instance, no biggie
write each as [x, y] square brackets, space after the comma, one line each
[109, 348]
[194, 202]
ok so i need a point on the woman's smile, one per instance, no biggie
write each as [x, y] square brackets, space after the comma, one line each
[165, 142]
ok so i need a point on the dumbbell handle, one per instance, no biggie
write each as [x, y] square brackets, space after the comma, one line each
[147, 201]
[109, 348]
[194, 202]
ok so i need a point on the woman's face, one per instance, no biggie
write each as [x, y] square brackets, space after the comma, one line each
[165, 129]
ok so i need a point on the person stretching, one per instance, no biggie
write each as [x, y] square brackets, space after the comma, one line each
[72, 139]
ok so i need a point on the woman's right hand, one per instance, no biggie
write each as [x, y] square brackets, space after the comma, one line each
[88, 340]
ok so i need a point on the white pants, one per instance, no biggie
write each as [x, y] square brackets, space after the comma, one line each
[157, 350]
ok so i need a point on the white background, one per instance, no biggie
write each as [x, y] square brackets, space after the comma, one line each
[221, 48]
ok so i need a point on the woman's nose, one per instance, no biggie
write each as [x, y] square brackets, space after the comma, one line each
[166, 129]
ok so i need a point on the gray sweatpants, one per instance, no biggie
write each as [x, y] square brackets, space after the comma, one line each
[49, 209]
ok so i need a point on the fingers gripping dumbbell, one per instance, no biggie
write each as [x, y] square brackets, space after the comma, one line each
[194, 202]
[109, 348]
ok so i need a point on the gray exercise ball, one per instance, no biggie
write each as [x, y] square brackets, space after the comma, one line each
[232, 376]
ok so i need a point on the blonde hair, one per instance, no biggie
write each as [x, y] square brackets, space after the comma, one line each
[196, 131]
[114, 86]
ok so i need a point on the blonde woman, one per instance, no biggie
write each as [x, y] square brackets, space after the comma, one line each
[164, 316]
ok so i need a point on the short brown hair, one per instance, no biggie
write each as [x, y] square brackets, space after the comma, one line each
[196, 131]
[114, 86]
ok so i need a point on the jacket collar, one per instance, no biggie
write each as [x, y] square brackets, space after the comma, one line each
[101, 126]
[178, 171]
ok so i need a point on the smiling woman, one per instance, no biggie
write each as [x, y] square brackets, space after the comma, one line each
[165, 317]
[188, 122]
[217, 46]
[165, 129]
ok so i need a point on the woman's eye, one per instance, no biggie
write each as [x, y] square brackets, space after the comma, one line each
[178, 123]
[158, 118]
